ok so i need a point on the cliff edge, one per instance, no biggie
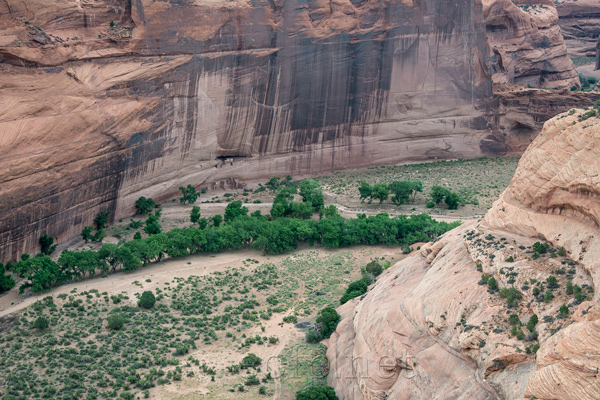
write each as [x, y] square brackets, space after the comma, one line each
[434, 325]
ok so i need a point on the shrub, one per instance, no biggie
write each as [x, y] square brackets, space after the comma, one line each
[430, 204]
[552, 282]
[374, 268]
[569, 289]
[548, 297]
[540, 247]
[290, 319]
[115, 321]
[262, 390]
[355, 289]
[511, 295]
[514, 319]
[564, 310]
[250, 361]
[41, 323]
[520, 334]
[147, 300]
[252, 380]
[313, 336]
[317, 393]
[492, 284]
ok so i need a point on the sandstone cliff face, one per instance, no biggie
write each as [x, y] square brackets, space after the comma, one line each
[104, 101]
[580, 24]
[429, 329]
[527, 44]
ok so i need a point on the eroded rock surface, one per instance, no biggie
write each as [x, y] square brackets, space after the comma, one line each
[104, 101]
[580, 24]
[431, 328]
[527, 44]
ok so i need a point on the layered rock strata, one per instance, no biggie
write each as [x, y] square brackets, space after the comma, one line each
[527, 44]
[104, 101]
[580, 25]
[431, 327]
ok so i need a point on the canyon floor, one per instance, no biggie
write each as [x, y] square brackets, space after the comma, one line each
[310, 279]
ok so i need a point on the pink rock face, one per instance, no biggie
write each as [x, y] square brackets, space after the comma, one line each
[527, 44]
[106, 101]
[580, 25]
[429, 328]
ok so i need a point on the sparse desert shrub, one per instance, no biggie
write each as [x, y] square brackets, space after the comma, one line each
[115, 321]
[147, 300]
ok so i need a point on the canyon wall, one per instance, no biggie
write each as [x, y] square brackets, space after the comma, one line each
[432, 328]
[104, 101]
[580, 25]
[527, 44]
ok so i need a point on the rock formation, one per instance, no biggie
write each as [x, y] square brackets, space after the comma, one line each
[104, 101]
[527, 44]
[431, 328]
[580, 24]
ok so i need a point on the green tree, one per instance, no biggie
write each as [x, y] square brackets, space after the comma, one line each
[147, 300]
[115, 321]
[401, 190]
[144, 206]
[46, 243]
[533, 320]
[438, 194]
[152, 225]
[317, 393]
[99, 235]
[452, 201]
[235, 210]
[380, 192]
[188, 194]
[108, 254]
[40, 323]
[86, 233]
[311, 193]
[216, 220]
[329, 319]
[6, 281]
[300, 210]
[101, 219]
[273, 183]
[40, 273]
[365, 190]
[195, 215]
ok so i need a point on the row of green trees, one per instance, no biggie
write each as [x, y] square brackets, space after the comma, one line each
[240, 230]
[402, 191]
